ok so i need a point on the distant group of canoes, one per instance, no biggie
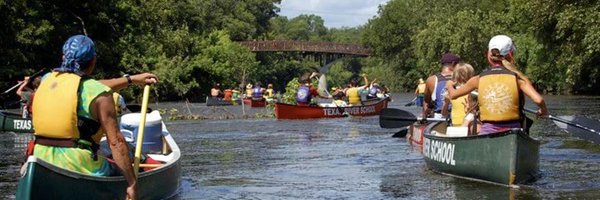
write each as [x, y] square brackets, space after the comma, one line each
[354, 100]
[254, 95]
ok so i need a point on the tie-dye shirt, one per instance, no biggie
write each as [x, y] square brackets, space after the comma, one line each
[76, 159]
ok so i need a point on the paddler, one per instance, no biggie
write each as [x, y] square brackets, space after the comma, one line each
[352, 92]
[434, 99]
[420, 92]
[269, 93]
[306, 91]
[501, 89]
[73, 111]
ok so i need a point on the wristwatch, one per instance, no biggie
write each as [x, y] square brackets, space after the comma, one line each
[128, 79]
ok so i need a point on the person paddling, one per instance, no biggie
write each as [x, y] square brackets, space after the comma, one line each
[69, 126]
[420, 92]
[352, 92]
[307, 91]
[500, 90]
[433, 103]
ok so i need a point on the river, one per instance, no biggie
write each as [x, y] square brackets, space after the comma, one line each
[345, 158]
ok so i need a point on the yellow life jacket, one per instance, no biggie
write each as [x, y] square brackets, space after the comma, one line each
[248, 93]
[458, 110]
[269, 93]
[353, 96]
[499, 97]
[421, 88]
[55, 115]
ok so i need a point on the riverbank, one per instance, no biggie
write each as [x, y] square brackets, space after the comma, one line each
[199, 111]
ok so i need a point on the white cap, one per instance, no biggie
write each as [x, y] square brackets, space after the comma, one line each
[503, 43]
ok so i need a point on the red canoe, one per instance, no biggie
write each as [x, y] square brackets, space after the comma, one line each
[255, 103]
[289, 111]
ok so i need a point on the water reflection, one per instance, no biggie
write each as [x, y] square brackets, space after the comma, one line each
[345, 158]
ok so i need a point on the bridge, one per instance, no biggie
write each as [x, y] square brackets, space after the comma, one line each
[326, 52]
[308, 47]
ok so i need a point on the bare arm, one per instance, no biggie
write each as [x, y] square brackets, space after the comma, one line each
[366, 81]
[429, 84]
[117, 84]
[103, 109]
[22, 86]
[528, 89]
[471, 85]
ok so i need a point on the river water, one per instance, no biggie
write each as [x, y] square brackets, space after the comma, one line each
[346, 158]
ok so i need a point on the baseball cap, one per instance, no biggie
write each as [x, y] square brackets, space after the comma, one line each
[449, 58]
[503, 43]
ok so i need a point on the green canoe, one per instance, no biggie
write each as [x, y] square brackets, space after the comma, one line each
[507, 158]
[12, 122]
[41, 180]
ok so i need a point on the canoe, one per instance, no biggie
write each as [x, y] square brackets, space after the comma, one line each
[13, 122]
[215, 101]
[255, 102]
[41, 180]
[507, 158]
[290, 111]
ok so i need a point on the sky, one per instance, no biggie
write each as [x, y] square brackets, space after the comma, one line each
[335, 13]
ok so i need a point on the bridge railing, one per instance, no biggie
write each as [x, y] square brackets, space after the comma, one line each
[304, 46]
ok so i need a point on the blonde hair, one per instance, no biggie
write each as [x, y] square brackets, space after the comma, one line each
[462, 73]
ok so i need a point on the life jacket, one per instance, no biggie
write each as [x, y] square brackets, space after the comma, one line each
[269, 93]
[421, 88]
[248, 92]
[439, 89]
[373, 90]
[303, 95]
[500, 99]
[56, 116]
[118, 99]
[256, 92]
[353, 96]
[458, 110]
[227, 94]
[235, 95]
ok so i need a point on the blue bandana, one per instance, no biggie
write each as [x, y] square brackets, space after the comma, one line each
[78, 51]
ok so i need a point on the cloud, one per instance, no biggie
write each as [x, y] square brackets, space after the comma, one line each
[335, 13]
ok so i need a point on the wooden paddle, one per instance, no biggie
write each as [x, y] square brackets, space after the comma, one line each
[140, 133]
[397, 118]
[581, 127]
[411, 103]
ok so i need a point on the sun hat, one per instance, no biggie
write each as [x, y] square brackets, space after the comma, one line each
[503, 43]
[78, 51]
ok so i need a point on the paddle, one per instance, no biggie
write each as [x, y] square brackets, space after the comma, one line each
[411, 103]
[581, 127]
[30, 78]
[402, 133]
[140, 133]
[397, 118]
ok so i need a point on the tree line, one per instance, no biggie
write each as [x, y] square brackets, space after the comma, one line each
[192, 44]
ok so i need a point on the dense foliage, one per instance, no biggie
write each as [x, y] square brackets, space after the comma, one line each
[192, 44]
[558, 42]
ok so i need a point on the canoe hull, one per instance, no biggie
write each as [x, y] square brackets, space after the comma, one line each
[214, 101]
[41, 180]
[507, 158]
[12, 122]
[289, 111]
[255, 103]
